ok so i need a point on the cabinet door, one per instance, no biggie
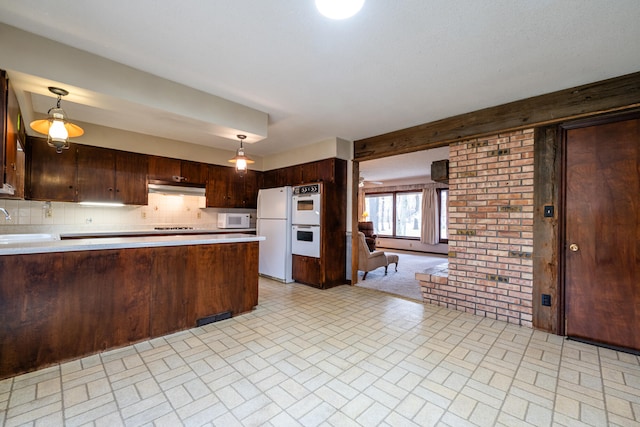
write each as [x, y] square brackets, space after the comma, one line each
[326, 170]
[251, 185]
[217, 187]
[294, 175]
[194, 172]
[96, 177]
[51, 176]
[306, 270]
[4, 91]
[235, 191]
[275, 178]
[131, 178]
[14, 156]
[164, 168]
[309, 172]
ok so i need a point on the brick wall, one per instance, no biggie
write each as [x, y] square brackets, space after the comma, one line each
[490, 228]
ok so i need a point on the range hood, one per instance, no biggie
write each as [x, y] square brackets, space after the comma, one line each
[176, 189]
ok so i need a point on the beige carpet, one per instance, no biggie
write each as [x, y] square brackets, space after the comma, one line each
[403, 282]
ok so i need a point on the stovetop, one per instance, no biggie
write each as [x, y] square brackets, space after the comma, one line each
[173, 228]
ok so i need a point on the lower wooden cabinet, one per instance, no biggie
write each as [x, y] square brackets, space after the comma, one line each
[307, 270]
[64, 305]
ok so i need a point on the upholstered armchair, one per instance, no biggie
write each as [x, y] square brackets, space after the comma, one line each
[368, 260]
[366, 227]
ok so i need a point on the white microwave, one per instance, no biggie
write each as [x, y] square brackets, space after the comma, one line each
[233, 220]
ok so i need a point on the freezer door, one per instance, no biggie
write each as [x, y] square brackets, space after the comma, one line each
[274, 203]
[275, 251]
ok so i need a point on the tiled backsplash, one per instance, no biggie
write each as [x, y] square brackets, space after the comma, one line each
[29, 216]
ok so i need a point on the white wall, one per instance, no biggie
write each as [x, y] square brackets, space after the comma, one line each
[411, 245]
[28, 216]
[118, 139]
[325, 149]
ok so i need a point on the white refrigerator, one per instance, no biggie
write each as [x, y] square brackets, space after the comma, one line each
[274, 223]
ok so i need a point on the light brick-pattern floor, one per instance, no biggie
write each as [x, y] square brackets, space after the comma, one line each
[341, 357]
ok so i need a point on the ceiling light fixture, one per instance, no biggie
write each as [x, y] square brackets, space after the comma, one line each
[241, 160]
[339, 9]
[56, 126]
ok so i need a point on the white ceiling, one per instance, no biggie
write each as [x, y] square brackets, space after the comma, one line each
[394, 65]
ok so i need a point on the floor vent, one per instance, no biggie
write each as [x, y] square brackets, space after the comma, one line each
[213, 318]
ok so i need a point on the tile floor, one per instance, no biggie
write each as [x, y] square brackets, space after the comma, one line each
[342, 357]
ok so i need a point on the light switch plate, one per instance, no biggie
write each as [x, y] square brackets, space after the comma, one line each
[548, 211]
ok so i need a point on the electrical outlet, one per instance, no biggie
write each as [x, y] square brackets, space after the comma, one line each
[546, 300]
[199, 215]
[143, 214]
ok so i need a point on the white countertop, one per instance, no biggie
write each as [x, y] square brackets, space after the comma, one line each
[120, 233]
[105, 243]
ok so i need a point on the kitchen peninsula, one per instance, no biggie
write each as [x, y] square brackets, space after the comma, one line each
[65, 299]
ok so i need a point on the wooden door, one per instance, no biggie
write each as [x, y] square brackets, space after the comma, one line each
[52, 176]
[131, 178]
[602, 231]
[96, 178]
[218, 187]
[250, 193]
[194, 172]
[164, 168]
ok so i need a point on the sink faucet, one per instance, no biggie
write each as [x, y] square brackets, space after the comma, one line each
[6, 214]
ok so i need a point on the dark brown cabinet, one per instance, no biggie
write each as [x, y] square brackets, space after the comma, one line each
[330, 269]
[71, 304]
[168, 169]
[307, 270]
[227, 189]
[50, 176]
[12, 158]
[106, 175]
[318, 171]
[85, 173]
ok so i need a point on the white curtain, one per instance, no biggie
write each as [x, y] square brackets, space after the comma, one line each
[430, 224]
[361, 203]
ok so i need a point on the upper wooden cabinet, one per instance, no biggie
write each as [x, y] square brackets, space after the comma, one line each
[319, 171]
[167, 169]
[227, 189]
[194, 172]
[50, 175]
[106, 175]
[12, 157]
[85, 174]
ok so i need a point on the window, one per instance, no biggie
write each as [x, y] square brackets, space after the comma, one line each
[380, 208]
[443, 205]
[408, 214]
[397, 214]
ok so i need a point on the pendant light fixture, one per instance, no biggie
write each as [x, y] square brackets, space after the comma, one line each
[56, 126]
[240, 159]
[339, 9]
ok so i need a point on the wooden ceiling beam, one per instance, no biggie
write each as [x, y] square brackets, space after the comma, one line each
[606, 96]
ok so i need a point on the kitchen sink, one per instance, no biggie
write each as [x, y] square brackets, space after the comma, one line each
[6, 239]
